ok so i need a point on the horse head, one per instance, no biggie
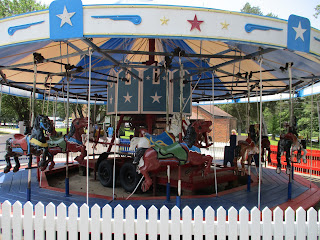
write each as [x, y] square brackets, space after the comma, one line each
[43, 123]
[80, 122]
[201, 126]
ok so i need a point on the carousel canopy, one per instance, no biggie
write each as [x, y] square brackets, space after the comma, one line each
[58, 45]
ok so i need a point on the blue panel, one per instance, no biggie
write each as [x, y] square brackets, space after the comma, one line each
[154, 92]
[128, 94]
[298, 33]
[176, 94]
[66, 19]
[111, 97]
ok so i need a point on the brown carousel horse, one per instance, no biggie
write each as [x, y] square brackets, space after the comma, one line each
[244, 152]
[173, 155]
[289, 143]
[72, 142]
[31, 144]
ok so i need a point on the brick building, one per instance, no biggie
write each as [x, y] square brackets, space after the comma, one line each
[223, 122]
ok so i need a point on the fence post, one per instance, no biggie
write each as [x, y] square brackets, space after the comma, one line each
[106, 225]
[6, 225]
[209, 225]
[129, 225]
[141, 223]
[221, 223]
[312, 224]
[28, 225]
[255, 223]
[198, 223]
[267, 224]
[301, 223]
[95, 222]
[39, 222]
[73, 221]
[17, 221]
[187, 224]
[289, 223]
[164, 223]
[244, 223]
[153, 223]
[278, 223]
[61, 221]
[84, 222]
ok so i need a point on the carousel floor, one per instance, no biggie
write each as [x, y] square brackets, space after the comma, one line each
[273, 193]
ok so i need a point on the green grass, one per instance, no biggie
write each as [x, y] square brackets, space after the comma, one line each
[63, 130]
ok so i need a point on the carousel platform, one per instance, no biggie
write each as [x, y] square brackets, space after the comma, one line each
[274, 192]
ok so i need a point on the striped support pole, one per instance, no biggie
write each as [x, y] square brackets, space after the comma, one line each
[168, 184]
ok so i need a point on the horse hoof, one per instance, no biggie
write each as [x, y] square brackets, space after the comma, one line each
[278, 170]
[51, 166]
[16, 169]
[6, 169]
[288, 171]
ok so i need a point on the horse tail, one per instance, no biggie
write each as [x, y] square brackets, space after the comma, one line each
[139, 154]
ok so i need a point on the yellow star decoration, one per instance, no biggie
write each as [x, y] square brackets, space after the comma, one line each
[224, 25]
[164, 20]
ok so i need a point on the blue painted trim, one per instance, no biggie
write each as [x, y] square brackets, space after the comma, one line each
[178, 202]
[28, 143]
[168, 192]
[18, 150]
[135, 19]
[250, 27]
[12, 30]
[71, 139]
[67, 187]
[29, 194]
[317, 39]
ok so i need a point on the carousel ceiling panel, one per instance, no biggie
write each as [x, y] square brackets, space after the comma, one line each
[135, 38]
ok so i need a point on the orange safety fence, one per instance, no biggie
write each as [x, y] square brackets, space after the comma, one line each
[299, 167]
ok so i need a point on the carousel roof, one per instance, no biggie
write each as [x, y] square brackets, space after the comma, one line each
[206, 43]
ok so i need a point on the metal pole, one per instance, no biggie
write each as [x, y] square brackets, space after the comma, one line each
[213, 154]
[178, 200]
[311, 131]
[115, 138]
[248, 127]
[88, 131]
[68, 113]
[290, 124]
[167, 124]
[260, 129]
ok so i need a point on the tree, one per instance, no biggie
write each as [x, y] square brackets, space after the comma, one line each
[16, 107]
[317, 8]
[247, 8]
[13, 7]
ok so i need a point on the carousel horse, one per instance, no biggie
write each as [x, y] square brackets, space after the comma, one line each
[71, 142]
[244, 152]
[173, 155]
[289, 143]
[31, 144]
[166, 138]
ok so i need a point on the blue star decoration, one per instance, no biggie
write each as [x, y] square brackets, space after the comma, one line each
[66, 19]
[298, 34]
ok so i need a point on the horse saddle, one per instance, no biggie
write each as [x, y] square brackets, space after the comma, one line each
[20, 141]
[164, 139]
[57, 142]
[174, 150]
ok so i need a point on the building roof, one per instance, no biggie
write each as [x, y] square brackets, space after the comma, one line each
[217, 111]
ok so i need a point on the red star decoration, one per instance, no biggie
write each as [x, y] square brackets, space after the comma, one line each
[195, 23]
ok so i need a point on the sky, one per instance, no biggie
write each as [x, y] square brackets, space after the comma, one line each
[282, 8]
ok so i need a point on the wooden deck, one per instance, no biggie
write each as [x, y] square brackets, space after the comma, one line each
[274, 188]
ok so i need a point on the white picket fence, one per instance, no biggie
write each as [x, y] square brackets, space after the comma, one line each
[51, 222]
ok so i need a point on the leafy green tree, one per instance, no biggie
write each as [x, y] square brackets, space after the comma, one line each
[247, 8]
[317, 8]
[14, 7]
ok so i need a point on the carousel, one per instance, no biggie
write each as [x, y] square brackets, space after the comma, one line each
[148, 66]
